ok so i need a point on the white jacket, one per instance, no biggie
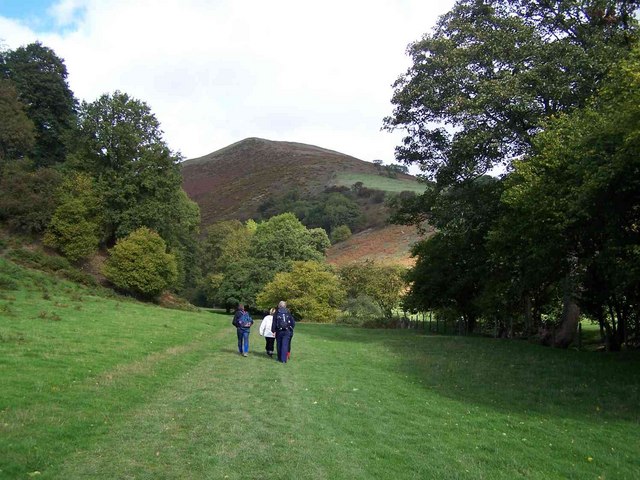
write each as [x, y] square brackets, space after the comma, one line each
[265, 326]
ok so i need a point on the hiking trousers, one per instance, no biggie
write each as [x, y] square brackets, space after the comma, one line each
[283, 339]
[243, 340]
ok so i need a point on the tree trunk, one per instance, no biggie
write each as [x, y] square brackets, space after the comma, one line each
[565, 334]
[528, 317]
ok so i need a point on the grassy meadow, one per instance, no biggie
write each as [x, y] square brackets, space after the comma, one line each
[103, 387]
[379, 182]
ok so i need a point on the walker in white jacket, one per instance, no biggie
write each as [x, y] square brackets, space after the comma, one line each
[265, 331]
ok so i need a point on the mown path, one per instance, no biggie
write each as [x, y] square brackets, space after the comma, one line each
[360, 404]
[119, 390]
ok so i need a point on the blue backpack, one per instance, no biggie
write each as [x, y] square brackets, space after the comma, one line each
[243, 322]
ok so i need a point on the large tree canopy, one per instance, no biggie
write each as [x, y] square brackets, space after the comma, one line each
[492, 70]
[16, 129]
[480, 93]
[120, 143]
[40, 77]
[582, 191]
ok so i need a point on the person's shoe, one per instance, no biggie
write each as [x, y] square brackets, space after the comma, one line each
[245, 354]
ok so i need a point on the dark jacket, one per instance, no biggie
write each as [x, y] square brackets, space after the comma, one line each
[283, 311]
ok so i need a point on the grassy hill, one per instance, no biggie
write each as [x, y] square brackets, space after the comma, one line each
[104, 387]
[233, 182]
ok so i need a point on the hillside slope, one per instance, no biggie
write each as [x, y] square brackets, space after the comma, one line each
[232, 183]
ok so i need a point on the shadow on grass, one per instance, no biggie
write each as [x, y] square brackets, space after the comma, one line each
[509, 375]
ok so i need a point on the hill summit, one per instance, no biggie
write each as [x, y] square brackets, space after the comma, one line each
[232, 182]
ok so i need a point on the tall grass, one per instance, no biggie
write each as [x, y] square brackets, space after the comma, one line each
[118, 389]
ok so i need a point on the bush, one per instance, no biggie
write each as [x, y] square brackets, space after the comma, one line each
[360, 310]
[340, 234]
[78, 276]
[8, 283]
[25, 196]
[140, 264]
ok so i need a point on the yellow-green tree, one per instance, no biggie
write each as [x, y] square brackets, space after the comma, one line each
[312, 292]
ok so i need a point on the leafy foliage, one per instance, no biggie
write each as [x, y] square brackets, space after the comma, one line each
[76, 226]
[140, 264]
[327, 210]
[583, 189]
[360, 310]
[283, 239]
[340, 234]
[495, 73]
[26, 196]
[383, 284]
[16, 129]
[40, 78]
[493, 70]
[311, 290]
[241, 259]
[119, 143]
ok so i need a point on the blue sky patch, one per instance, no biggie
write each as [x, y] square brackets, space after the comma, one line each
[35, 14]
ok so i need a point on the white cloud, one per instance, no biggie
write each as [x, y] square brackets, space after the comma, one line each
[215, 72]
[66, 12]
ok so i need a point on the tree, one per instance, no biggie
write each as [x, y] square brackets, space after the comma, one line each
[242, 281]
[283, 239]
[140, 264]
[311, 290]
[479, 91]
[26, 196]
[582, 189]
[16, 129]
[320, 239]
[119, 143]
[384, 284]
[40, 78]
[493, 70]
[226, 242]
[76, 227]
[334, 210]
[115, 132]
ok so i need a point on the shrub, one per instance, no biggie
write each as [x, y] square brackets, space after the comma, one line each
[360, 310]
[7, 283]
[78, 276]
[25, 196]
[340, 234]
[140, 264]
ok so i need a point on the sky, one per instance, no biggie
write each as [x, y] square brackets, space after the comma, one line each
[217, 71]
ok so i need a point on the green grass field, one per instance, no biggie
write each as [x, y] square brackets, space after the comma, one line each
[379, 182]
[105, 388]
